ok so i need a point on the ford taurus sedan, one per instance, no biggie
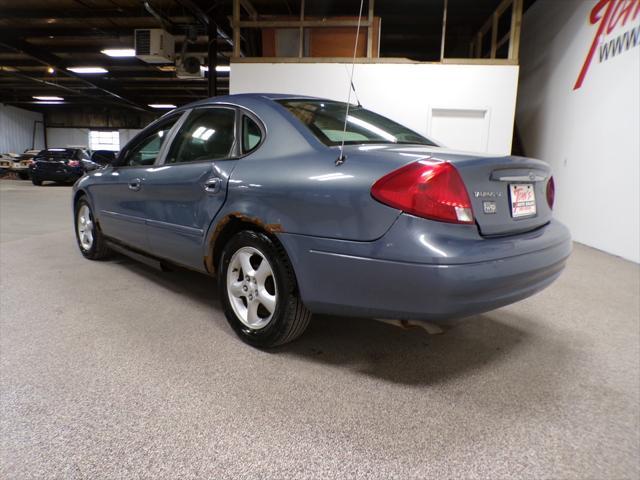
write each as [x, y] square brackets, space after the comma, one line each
[255, 190]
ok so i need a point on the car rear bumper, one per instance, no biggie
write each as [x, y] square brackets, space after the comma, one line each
[419, 271]
[64, 175]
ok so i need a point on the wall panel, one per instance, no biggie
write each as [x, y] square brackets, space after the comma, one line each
[17, 129]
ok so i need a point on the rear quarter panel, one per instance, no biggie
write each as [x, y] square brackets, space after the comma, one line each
[292, 182]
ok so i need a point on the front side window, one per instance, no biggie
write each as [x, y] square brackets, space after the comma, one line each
[326, 119]
[146, 152]
[251, 134]
[208, 134]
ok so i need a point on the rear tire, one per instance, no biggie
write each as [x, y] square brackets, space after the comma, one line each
[36, 181]
[89, 237]
[259, 292]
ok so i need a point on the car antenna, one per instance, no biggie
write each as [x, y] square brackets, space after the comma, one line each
[341, 158]
[353, 87]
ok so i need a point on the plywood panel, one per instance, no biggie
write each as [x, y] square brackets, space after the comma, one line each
[322, 42]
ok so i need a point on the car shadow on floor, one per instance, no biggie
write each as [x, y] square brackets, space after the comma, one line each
[369, 347]
[410, 356]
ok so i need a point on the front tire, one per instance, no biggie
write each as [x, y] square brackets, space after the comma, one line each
[89, 237]
[259, 292]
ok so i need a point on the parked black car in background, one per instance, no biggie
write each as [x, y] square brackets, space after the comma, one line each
[63, 165]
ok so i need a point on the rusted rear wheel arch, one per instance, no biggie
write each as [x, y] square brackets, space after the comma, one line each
[232, 224]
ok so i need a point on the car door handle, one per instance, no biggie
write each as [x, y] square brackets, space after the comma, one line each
[213, 185]
[135, 184]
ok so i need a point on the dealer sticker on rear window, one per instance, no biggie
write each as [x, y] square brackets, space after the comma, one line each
[523, 200]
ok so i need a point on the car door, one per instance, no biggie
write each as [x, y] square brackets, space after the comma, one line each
[188, 188]
[121, 197]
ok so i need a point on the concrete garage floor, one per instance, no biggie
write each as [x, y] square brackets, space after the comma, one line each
[114, 370]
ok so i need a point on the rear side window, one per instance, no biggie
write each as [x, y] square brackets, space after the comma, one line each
[208, 134]
[251, 134]
[326, 119]
[57, 153]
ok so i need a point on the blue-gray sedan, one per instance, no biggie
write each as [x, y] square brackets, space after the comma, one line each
[255, 189]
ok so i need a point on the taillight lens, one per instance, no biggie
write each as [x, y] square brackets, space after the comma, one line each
[427, 189]
[551, 192]
[73, 163]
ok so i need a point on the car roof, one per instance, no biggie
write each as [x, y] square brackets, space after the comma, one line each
[242, 99]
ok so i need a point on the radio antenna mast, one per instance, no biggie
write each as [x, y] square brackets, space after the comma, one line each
[341, 158]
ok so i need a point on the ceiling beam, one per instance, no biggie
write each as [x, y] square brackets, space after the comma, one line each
[58, 88]
[74, 13]
[51, 60]
[204, 18]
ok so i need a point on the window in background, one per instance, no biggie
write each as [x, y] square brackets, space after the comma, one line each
[101, 140]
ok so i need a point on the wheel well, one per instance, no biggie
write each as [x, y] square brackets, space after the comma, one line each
[231, 225]
[77, 197]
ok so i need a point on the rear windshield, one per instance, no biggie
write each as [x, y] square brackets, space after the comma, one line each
[326, 120]
[58, 153]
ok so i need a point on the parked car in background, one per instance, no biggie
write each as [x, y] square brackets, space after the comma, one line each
[257, 190]
[31, 153]
[16, 163]
[61, 165]
[6, 163]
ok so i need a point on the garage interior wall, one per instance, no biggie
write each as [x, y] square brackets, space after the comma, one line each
[466, 107]
[79, 137]
[589, 134]
[17, 130]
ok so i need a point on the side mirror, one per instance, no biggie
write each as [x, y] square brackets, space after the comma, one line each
[103, 157]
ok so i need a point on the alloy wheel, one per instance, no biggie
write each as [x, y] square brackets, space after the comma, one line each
[251, 287]
[84, 225]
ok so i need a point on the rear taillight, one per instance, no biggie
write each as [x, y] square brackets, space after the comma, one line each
[73, 163]
[551, 192]
[427, 189]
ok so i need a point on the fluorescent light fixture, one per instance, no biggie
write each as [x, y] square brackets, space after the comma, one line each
[45, 98]
[162, 105]
[119, 52]
[219, 68]
[48, 102]
[87, 69]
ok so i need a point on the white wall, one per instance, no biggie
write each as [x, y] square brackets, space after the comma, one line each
[467, 106]
[591, 135]
[66, 137]
[16, 129]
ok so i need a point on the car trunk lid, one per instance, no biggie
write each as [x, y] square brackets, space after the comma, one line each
[507, 193]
